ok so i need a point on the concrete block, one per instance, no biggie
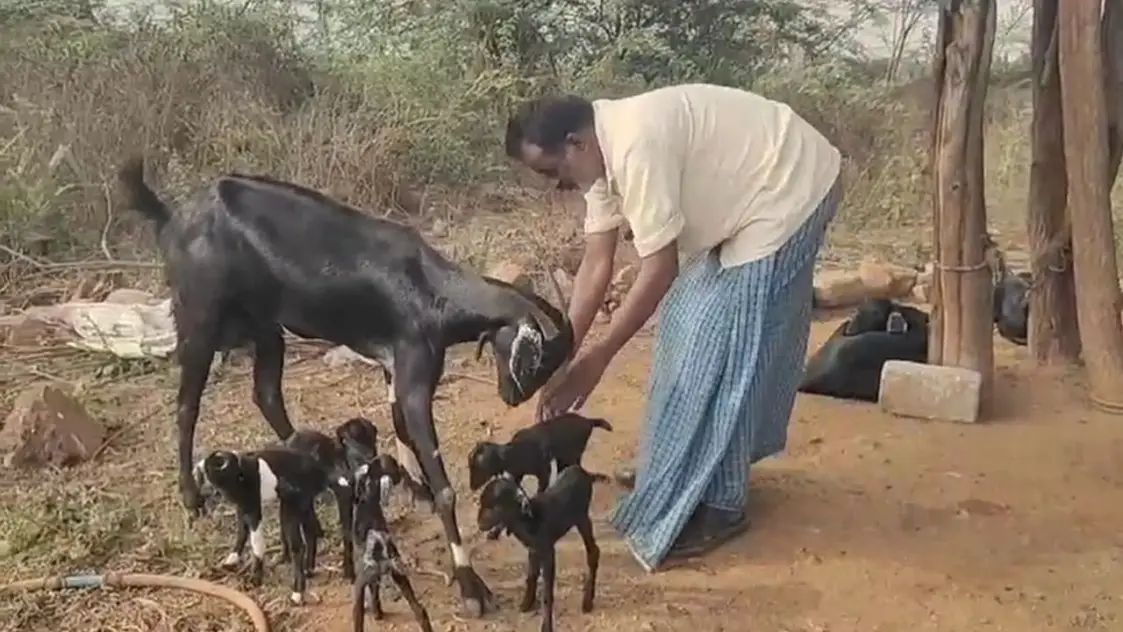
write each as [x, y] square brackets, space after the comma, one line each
[926, 391]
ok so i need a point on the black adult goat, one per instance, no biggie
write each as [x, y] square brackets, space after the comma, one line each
[248, 256]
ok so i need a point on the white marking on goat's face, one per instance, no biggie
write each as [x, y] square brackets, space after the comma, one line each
[257, 541]
[385, 486]
[526, 335]
[232, 558]
[524, 500]
[266, 481]
[553, 470]
[460, 556]
[409, 462]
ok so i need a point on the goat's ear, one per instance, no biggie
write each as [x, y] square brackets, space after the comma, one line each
[486, 337]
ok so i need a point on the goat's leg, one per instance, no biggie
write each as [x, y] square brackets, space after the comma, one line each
[533, 571]
[415, 477]
[196, 352]
[235, 555]
[343, 501]
[358, 605]
[291, 530]
[406, 588]
[415, 382]
[268, 370]
[375, 588]
[257, 547]
[549, 570]
[311, 530]
[592, 560]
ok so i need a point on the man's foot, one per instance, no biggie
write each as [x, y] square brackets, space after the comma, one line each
[626, 478]
[706, 530]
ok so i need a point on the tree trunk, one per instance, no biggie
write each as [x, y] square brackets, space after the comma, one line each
[1113, 84]
[1084, 103]
[962, 324]
[1054, 337]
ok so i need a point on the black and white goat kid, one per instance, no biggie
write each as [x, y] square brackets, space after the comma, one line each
[249, 256]
[251, 481]
[380, 556]
[538, 523]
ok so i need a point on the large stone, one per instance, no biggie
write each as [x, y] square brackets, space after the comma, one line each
[511, 272]
[838, 288]
[48, 428]
[886, 280]
[926, 391]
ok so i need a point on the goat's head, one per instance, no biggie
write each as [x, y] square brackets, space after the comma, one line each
[871, 315]
[528, 351]
[358, 437]
[484, 462]
[502, 501]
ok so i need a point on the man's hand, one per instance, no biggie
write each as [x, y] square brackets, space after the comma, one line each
[571, 386]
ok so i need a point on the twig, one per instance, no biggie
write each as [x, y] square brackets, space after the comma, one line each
[465, 376]
[76, 265]
[108, 222]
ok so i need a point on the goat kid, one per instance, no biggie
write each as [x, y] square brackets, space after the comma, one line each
[250, 256]
[537, 450]
[380, 555]
[538, 523]
[355, 442]
[250, 480]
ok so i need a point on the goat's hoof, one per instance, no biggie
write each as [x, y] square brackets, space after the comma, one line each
[528, 605]
[474, 593]
[231, 560]
[587, 606]
[296, 598]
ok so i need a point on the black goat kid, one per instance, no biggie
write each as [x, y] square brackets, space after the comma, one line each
[250, 256]
[355, 442]
[538, 523]
[380, 554]
[253, 479]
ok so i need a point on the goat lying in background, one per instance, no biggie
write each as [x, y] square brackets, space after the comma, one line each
[380, 554]
[538, 523]
[536, 450]
[1011, 306]
[250, 256]
[849, 363]
[250, 480]
[355, 441]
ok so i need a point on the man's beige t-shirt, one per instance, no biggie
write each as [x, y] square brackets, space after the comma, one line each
[710, 166]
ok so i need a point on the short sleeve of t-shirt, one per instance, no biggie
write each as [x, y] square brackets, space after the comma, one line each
[650, 179]
[602, 209]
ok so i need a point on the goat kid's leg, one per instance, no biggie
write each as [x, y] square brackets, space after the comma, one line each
[549, 570]
[257, 547]
[311, 531]
[268, 370]
[375, 588]
[533, 571]
[406, 588]
[344, 503]
[415, 385]
[196, 352]
[291, 530]
[235, 555]
[592, 560]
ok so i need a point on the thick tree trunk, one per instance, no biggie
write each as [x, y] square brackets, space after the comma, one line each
[962, 331]
[1054, 337]
[1084, 103]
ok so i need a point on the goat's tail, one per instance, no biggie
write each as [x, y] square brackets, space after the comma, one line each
[139, 195]
[602, 423]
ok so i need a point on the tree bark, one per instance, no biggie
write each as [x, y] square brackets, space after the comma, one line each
[962, 323]
[1085, 112]
[1054, 337]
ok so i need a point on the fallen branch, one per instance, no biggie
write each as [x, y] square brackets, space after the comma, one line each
[112, 264]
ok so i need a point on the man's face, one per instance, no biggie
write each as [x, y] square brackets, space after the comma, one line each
[577, 166]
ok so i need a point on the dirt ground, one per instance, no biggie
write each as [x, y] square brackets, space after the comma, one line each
[866, 523]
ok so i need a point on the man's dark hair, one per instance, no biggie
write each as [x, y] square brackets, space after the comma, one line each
[546, 122]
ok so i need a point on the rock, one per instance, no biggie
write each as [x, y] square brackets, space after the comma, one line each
[885, 280]
[128, 296]
[512, 273]
[48, 427]
[625, 277]
[925, 391]
[838, 288]
[921, 292]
